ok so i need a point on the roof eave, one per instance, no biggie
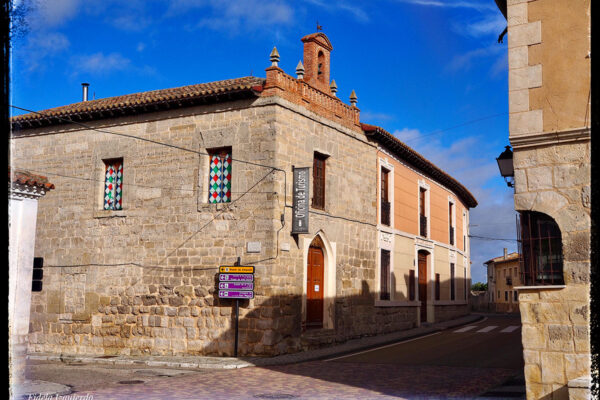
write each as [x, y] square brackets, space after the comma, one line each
[405, 152]
[137, 108]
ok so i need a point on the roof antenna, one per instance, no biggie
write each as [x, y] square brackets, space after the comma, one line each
[319, 27]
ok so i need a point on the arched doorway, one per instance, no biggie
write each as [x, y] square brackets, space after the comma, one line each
[423, 281]
[315, 280]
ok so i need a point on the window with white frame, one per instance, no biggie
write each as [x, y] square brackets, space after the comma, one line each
[219, 185]
[113, 184]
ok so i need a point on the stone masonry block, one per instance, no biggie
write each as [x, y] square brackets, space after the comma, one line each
[518, 100]
[533, 373]
[539, 178]
[525, 34]
[520, 181]
[533, 337]
[526, 122]
[570, 175]
[577, 365]
[518, 57]
[516, 14]
[552, 367]
[560, 338]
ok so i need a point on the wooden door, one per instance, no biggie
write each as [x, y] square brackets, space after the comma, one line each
[423, 285]
[314, 288]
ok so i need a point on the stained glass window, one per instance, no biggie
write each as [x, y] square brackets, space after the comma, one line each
[220, 177]
[113, 184]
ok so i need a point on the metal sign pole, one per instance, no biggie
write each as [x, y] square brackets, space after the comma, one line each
[237, 320]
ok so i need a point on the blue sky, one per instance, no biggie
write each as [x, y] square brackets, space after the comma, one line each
[429, 71]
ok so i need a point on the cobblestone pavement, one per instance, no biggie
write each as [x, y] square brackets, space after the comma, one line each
[316, 380]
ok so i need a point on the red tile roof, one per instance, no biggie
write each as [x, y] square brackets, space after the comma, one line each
[509, 257]
[143, 102]
[405, 152]
[29, 179]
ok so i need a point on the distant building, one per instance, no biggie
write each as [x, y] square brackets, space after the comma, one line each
[503, 278]
[156, 190]
[549, 96]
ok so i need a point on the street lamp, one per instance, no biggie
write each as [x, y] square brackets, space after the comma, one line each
[505, 164]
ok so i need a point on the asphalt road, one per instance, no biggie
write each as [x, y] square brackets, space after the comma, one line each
[465, 362]
[492, 343]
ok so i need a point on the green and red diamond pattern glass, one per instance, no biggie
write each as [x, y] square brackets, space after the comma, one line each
[113, 186]
[220, 179]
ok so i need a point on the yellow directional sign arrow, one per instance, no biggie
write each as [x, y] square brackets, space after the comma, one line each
[237, 270]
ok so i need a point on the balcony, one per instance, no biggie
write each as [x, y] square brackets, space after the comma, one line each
[509, 281]
[423, 226]
[385, 213]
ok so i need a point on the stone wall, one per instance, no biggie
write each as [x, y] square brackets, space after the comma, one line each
[555, 180]
[549, 75]
[142, 280]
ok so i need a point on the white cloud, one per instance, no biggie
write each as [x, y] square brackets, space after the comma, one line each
[480, 6]
[40, 46]
[235, 16]
[463, 62]
[99, 64]
[52, 13]
[371, 117]
[492, 24]
[494, 216]
[333, 6]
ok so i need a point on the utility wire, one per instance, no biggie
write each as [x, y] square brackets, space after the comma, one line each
[176, 248]
[41, 172]
[489, 238]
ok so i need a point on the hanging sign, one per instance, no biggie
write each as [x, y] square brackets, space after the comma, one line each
[300, 191]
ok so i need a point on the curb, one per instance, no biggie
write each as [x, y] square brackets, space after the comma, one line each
[233, 363]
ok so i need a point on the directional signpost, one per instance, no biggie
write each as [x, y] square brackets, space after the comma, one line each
[236, 282]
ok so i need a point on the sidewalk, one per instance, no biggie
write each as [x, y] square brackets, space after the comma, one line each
[200, 362]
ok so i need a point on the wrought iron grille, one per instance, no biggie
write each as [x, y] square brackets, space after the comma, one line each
[423, 225]
[452, 235]
[385, 212]
[385, 275]
[540, 249]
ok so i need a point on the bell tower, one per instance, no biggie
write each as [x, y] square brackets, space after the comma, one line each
[317, 50]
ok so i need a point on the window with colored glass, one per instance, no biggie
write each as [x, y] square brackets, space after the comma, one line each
[219, 190]
[113, 184]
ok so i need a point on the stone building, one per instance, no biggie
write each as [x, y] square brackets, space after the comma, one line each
[549, 130]
[503, 278]
[423, 248]
[156, 190]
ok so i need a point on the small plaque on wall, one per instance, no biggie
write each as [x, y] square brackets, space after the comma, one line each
[253, 247]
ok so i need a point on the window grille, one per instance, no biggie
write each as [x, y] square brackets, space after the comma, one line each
[220, 176]
[452, 283]
[385, 198]
[411, 285]
[113, 184]
[385, 275]
[540, 249]
[319, 181]
[38, 274]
